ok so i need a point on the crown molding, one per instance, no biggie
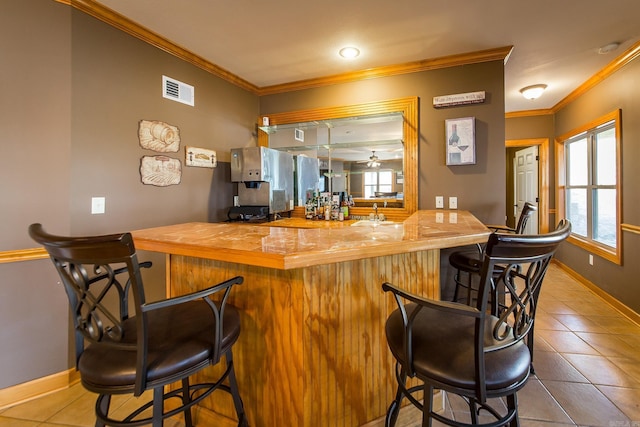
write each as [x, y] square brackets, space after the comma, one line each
[528, 113]
[629, 55]
[487, 55]
[134, 29]
[111, 17]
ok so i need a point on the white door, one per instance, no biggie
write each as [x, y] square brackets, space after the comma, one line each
[526, 184]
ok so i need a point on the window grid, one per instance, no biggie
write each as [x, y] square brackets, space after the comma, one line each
[591, 159]
[379, 180]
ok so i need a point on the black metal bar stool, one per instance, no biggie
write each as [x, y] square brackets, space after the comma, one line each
[160, 343]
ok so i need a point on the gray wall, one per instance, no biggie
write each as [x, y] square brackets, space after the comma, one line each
[73, 92]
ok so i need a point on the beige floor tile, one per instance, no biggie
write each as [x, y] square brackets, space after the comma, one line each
[600, 370]
[548, 321]
[627, 400]
[592, 307]
[79, 413]
[565, 342]
[555, 306]
[618, 324]
[585, 404]
[630, 366]
[536, 403]
[45, 407]
[14, 422]
[610, 345]
[580, 323]
[540, 344]
[552, 366]
[537, 423]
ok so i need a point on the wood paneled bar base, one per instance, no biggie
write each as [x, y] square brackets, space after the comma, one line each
[312, 351]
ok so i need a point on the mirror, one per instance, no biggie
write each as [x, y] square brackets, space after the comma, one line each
[351, 142]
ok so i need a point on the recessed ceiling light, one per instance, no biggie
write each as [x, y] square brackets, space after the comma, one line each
[533, 92]
[608, 48]
[349, 52]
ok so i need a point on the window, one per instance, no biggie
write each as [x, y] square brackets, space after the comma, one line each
[378, 180]
[589, 168]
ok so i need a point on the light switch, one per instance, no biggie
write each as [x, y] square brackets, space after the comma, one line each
[97, 205]
[453, 203]
[439, 202]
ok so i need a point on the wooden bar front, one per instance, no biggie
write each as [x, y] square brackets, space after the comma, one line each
[312, 350]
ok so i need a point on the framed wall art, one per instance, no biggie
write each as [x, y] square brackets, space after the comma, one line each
[460, 141]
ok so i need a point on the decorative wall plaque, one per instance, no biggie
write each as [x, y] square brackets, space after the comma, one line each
[159, 136]
[160, 171]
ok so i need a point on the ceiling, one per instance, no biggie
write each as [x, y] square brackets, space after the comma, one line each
[277, 42]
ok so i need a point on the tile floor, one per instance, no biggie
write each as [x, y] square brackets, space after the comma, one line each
[587, 361]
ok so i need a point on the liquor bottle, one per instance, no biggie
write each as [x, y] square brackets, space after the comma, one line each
[345, 209]
[454, 138]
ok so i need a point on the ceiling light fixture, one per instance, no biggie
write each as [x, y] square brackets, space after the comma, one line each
[349, 52]
[533, 92]
[608, 48]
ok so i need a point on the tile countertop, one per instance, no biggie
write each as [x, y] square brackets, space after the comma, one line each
[285, 246]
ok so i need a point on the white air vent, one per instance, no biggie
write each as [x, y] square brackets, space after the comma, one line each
[177, 91]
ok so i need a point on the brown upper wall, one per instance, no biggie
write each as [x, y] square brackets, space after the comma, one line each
[480, 188]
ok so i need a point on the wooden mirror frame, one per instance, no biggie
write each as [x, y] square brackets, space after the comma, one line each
[409, 109]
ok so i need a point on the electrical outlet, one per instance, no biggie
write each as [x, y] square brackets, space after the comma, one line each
[97, 205]
[590, 259]
[439, 202]
[453, 203]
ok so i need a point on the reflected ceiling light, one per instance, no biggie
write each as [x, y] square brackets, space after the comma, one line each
[349, 52]
[533, 92]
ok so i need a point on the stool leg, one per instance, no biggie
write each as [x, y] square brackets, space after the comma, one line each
[394, 407]
[456, 279]
[186, 399]
[235, 393]
[158, 407]
[102, 408]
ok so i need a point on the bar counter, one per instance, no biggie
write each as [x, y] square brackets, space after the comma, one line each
[312, 350]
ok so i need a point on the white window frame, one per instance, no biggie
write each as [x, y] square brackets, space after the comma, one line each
[588, 131]
[376, 186]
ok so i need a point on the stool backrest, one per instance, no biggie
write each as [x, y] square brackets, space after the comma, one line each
[527, 210]
[99, 273]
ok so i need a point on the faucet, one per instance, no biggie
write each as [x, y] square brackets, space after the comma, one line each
[375, 210]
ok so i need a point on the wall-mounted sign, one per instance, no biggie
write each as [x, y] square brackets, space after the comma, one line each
[200, 157]
[458, 99]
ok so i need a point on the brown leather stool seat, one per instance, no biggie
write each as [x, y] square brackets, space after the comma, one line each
[180, 341]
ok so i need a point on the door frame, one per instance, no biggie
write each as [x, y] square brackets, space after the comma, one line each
[543, 176]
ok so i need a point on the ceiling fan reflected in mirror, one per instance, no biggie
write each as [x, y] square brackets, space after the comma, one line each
[373, 161]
